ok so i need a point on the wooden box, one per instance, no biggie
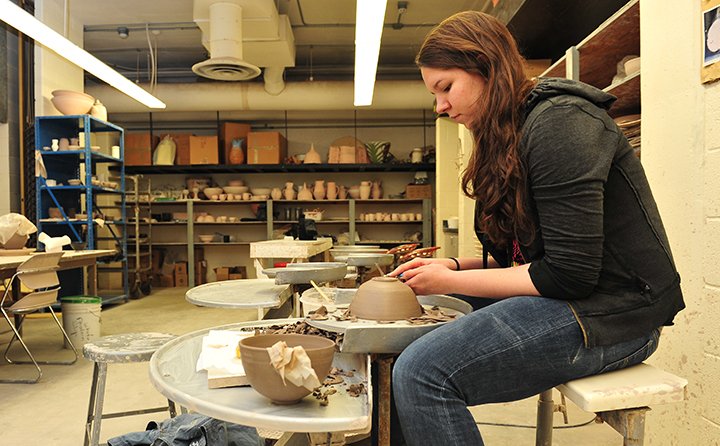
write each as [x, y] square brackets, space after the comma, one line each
[266, 148]
[203, 150]
[182, 148]
[418, 191]
[230, 131]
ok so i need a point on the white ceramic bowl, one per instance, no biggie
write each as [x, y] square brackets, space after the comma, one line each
[210, 191]
[206, 238]
[235, 189]
[260, 191]
[72, 102]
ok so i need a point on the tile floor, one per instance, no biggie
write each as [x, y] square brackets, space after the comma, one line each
[53, 411]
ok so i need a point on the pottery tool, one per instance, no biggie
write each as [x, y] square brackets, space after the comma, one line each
[321, 292]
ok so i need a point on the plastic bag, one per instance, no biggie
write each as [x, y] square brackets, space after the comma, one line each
[12, 223]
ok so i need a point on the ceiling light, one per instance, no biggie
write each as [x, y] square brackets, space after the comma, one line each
[42, 34]
[369, 20]
[123, 32]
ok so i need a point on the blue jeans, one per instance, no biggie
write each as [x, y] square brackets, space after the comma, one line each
[507, 351]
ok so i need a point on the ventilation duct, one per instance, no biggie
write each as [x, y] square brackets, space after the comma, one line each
[241, 36]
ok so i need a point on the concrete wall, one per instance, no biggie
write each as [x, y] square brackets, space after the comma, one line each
[681, 154]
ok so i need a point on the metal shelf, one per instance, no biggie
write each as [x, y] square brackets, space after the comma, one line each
[287, 168]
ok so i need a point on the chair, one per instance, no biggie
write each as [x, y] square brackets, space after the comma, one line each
[39, 275]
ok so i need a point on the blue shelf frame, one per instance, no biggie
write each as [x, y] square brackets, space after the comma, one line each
[65, 165]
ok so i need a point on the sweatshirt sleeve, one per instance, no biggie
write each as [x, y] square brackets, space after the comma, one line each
[569, 150]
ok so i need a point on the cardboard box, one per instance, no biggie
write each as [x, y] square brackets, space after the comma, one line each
[230, 273]
[138, 148]
[182, 148]
[266, 148]
[181, 280]
[203, 150]
[181, 268]
[230, 131]
[418, 191]
[200, 272]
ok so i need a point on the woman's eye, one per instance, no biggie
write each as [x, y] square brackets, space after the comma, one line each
[446, 89]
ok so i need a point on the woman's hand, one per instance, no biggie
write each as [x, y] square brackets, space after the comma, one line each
[427, 276]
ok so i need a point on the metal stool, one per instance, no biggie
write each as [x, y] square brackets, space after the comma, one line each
[121, 348]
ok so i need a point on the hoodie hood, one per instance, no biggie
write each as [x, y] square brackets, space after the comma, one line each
[555, 86]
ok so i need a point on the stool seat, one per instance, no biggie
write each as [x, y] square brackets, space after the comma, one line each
[637, 386]
[119, 348]
[126, 347]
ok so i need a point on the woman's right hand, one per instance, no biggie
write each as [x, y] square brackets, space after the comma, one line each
[420, 261]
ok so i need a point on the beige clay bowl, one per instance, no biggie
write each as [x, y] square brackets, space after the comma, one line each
[385, 299]
[263, 377]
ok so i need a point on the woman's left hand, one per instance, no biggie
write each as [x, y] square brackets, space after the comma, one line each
[432, 278]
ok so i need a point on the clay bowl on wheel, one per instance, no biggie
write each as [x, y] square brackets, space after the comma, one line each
[385, 299]
[265, 379]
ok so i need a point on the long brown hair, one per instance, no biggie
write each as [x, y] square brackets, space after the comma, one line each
[495, 176]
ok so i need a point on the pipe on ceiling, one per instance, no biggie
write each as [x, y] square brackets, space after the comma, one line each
[239, 96]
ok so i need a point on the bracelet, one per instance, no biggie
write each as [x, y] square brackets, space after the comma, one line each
[457, 264]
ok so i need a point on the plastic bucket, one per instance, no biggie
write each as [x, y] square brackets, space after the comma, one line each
[81, 319]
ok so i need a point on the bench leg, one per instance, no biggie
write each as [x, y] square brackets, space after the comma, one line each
[630, 423]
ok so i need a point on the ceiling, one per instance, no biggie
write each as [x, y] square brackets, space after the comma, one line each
[323, 32]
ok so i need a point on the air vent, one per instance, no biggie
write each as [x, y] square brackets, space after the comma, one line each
[226, 69]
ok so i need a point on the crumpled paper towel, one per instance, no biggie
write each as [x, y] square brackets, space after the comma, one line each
[218, 352]
[294, 364]
[53, 244]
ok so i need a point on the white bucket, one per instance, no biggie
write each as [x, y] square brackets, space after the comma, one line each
[81, 319]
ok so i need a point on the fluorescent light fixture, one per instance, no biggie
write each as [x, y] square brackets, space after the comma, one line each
[369, 19]
[44, 35]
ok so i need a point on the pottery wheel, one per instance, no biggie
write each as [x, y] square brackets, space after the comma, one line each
[367, 336]
[303, 273]
[366, 259]
[242, 293]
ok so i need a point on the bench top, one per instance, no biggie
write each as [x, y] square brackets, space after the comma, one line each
[637, 386]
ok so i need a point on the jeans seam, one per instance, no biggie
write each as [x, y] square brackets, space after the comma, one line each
[446, 411]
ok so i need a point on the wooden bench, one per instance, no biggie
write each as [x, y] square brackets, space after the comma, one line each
[620, 398]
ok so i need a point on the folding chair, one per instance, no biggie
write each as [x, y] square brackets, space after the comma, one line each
[38, 274]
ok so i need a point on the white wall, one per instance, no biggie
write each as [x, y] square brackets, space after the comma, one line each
[680, 152]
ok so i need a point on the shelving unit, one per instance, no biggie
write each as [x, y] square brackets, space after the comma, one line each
[594, 59]
[139, 236]
[78, 205]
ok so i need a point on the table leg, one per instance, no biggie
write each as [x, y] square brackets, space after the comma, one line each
[92, 279]
[384, 395]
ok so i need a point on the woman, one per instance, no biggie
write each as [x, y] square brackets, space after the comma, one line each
[579, 266]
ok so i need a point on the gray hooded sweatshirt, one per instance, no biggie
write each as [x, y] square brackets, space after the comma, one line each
[600, 243]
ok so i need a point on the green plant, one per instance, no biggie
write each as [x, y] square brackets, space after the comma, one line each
[378, 151]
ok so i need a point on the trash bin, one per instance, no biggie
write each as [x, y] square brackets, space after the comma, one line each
[81, 318]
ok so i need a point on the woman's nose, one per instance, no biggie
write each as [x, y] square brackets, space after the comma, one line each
[441, 105]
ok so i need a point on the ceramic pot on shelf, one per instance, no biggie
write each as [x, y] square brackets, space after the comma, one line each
[312, 157]
[319, 189]
[305, 193]
[276, 193]
[289, 191]
[376, 191]
[342, 192]
[236, 155]
[365, 188]
[331, 190]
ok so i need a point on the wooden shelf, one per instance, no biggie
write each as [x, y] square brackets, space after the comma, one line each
[273, 168]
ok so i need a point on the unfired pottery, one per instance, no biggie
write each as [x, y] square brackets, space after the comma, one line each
[365, 188]
[276, 193]
[265, 379]
[312, 157]
[319, 189]
[289, 191]
[331, 190]
[305, 193]
[376, 191]
[385, 299]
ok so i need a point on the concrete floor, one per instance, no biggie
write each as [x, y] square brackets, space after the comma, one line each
[53, 411]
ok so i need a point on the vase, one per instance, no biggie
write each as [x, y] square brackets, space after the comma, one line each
[365, 188]
[319, 189]
[376, 192]
[276, 193]
[98, 111]
[312, 157]
[236, 155]
[331, 190]
[305, 193]
[289, 192]
[342, 192]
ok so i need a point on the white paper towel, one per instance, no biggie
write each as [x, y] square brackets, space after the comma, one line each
[53, 244]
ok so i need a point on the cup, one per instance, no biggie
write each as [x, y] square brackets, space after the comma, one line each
[246, 196]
